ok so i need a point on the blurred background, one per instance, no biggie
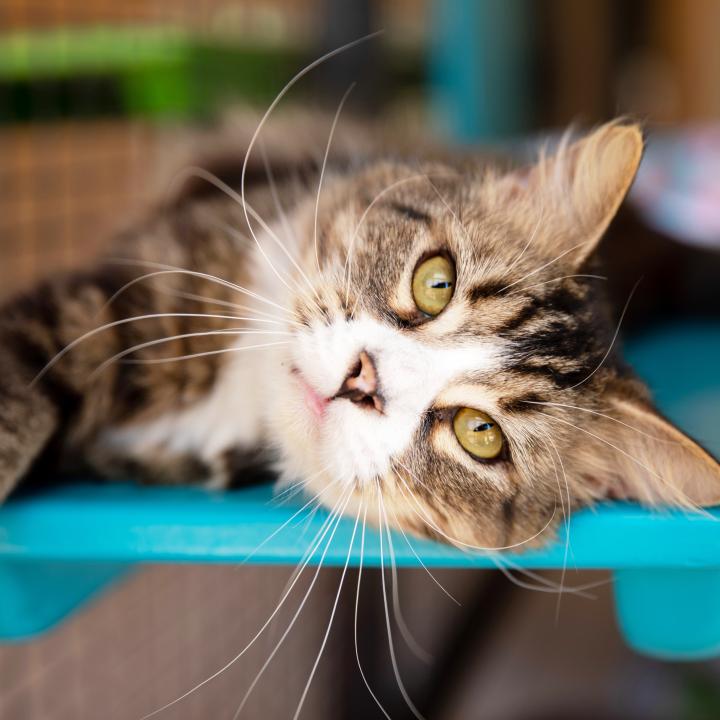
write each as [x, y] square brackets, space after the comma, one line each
[95, 96]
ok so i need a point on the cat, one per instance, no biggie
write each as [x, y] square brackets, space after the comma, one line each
[427, 342]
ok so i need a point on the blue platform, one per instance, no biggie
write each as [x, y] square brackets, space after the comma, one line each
[60, 547]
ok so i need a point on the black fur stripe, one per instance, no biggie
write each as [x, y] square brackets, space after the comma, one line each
[485, 290]
[410, 213]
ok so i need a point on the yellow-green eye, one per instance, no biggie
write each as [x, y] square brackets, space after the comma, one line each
[478, 433]
[433, 284]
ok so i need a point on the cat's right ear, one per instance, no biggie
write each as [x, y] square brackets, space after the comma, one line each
[640, 455]
[572, 194]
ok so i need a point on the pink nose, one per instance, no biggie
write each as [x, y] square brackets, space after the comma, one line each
[361, 384]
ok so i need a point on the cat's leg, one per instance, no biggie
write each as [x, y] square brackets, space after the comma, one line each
[78, 359]
[39, 401]
[29, 417]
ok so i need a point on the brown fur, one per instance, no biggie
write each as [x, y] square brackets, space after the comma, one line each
[558, 396]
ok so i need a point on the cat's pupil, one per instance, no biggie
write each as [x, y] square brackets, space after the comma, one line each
[441, 285]
[483, 427]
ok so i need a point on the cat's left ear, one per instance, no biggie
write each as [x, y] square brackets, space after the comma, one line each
[642, 456]
[573, 194]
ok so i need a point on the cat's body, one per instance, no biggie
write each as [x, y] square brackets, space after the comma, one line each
[319, 360]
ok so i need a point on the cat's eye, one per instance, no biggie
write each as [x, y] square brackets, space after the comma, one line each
[433, 284]
[478, 433]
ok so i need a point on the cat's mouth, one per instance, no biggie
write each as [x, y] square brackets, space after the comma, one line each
[315, 402]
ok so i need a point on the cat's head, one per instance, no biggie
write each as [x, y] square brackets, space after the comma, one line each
[453, 351]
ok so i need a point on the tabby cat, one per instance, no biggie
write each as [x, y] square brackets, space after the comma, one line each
[429, 342]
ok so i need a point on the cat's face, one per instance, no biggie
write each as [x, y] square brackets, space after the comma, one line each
[454, 354]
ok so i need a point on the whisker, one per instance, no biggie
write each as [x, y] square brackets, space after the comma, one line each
[190, 356]
[171, 270]
[545, 585]
[614, 337]
[297, 287]
[567, 527]
[548, 585]
[152, 316]
[542, 267]
[460, 543]
[464, 546]
[287, 227]
[557, 279]
[355, 623]
[249, 212]
[330, 621]
[224, 303]
[288, 489]
[681, 497]
[375, 200]
[231, 662]
[296, 571]
[419, 559]
[391, 647]
[182, 336]
[527, 245]
[409, 638]
[284, 525]
[322, 170]
[272, 107]
[452, 212]
[603, 415]
[267, 662]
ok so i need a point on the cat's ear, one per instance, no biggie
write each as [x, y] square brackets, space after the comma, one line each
[642, 456]
[574, 193]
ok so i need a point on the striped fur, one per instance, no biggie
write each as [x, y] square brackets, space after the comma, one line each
[528, 338]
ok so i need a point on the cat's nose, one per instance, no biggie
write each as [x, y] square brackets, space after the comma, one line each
[361, 385]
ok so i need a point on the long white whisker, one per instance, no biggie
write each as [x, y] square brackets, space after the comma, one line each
[284, 525]
[355, 623]
[419, 559]
[460, 543]
[603, 415]
[269, 111]
[330, 621]
[309, 550]
[152, 316]
[267, 662]
[287, 227]
[190, 356]
[231, 662]
[567, 529]
[542, 267]
[409, 638]
[296, 285]
[249, 212]
[614, 338]
[557, 279]
[377, 198]
[391, 646]
[290, 489]
[629, 456]
[170, 270]
[527, 245]
[182, 336]
[322, 171]
[223, 303]
[545, 586]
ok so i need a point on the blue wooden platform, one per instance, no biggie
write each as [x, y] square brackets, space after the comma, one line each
[60, 547]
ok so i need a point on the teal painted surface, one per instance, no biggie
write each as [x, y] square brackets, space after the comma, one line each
[35, 595]
[125, 523]
[67, 542]
[479, 67]
[672, 614]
